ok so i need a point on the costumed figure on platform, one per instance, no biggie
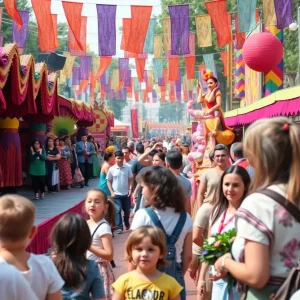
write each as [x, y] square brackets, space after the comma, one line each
[211, 128]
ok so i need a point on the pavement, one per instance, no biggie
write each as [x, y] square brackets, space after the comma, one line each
[56, 203]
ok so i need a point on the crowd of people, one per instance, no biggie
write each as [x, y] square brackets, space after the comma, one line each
[252, 187]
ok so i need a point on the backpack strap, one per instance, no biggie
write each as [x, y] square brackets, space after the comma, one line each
[154, 218]
[97, 228]
[290, 207]
[172, 239]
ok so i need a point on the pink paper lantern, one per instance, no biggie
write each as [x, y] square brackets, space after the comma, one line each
[262, 52]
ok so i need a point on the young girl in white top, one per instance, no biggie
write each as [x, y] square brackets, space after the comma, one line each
[267, 246]
[146, 248]
[99, 209]
[231, 192]
[165, 196]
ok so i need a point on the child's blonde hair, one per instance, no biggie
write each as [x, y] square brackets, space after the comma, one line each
[16, 217]
[157, 238]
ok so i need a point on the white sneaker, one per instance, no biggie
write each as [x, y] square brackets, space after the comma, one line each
[119, 231]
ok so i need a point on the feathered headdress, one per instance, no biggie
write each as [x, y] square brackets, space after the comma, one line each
[62, 126]
[207, 74]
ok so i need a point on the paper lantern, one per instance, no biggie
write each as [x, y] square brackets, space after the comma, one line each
[262, 52]
[293, 26]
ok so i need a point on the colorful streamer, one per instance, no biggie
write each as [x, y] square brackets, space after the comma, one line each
[269, 13]
[224, 56]
[180, 28]
[11, 8]
[239, 75]
[149, 42]
[20, 34]
[284, 13]
[158, 67]
[190, 66]
[123, 68]
[75, 76]
[158, 46]
[203, 30]
[104, 64]
[140, 67]
[246, 15]
[85, 67]
[106, 29]
[134, 122]
[167, 34]
[173, 68]
[73, 45]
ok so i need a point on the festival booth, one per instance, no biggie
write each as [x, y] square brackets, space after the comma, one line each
[121, 129]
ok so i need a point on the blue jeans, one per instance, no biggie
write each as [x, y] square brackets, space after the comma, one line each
[180, 279]
[122, 203]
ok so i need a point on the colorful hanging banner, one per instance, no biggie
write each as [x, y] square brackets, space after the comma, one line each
[140, 67]
[167, 34]
[158, 67]
[1, 14]
[219, 16]
[123, 68]
[210, 64]
[190, 66]
[137, 85]
[192, 44]
[104, 64]
[246, 15]
[106, 29]
[140, 17]
[73, 45]
[20, 35]
[224, 57]
[269, 13]
[284, 13]
[273, 81]
[73, 15]
[150, 78]
[11, 8]
[47, 36]
[158, 46]
[75, 76]
[180, 29]
[203, 30]
[149, 41]
[85, 67]
[127, 81]
[95, 64]
[54, 23]
[239, 75]
[67, 70]
[115, 80]
[134, 123]
[178, 87]
[125, 33]
[173, 68]
[203, 83]
[240, 37]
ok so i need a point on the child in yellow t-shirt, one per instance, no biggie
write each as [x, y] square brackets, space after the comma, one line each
[146, 248]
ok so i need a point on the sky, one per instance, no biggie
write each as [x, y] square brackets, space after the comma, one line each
[89, 10]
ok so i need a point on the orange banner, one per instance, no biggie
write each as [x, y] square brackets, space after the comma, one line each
[173, 68]
[140, 67]
[203, 30]
[104, 64]
[73, 45]
[240, 37]
[11, 8]
[137, 96]
[224, 56]
[140, 17]
[166, 76]
[219, 16]
[54, 22]
[125, 33]
[167, 34]
[172, 92]
[134, 122]
[190, 66]
[163, 94]
[73, 15]
[46, 34]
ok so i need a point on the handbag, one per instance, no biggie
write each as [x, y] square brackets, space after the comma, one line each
[292, 283]
[77, 176]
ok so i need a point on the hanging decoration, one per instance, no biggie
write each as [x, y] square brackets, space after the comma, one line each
[20, 35]
[210, 63]
[172, 92]
[72, 42]
[47, 36]
[73, 15]
[1, 14]
[149, 42]
[240, 37]
[167, 34]
[180, 28]
[178, 87]
[11, 8]
[158, 67]
[218, 13]
[66, 72]
[85, 66]
[246, 15]
[105, 61]
[134, 122]
[190, 66]
[158, 46]
[106, 29]
[203, 30]
[140, 18]
[173, 68]
[75, 76]
[224, 56]
[140, 67]
[284, 13]
[192, 44]
[269, 13]
[137, 85]
[239, 75]
[125, 33]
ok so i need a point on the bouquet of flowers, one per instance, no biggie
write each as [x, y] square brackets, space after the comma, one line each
[216, 246]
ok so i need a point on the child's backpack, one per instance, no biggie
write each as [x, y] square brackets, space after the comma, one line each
[170, 269]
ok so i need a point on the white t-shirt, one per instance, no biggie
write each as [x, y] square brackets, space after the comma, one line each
[42, 275]
[103, 229]
[13, 286]
[168, 219]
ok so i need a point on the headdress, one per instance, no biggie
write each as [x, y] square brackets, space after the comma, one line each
[207, 74]
[63, 126]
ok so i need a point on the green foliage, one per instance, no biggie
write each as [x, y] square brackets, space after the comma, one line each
[216, 246]
[117, 107]
[171, 112]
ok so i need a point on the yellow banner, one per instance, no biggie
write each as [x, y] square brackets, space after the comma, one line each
[96, 64]
[115, 80]
[150, 78]
[62, 77]
[158, 46]
[68, 64]
[203, 30]
[167, 34]
[269, 13]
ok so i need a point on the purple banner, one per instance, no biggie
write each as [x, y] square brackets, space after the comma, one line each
[85, 67]
[123, 68]
[190, 95]
[178, 82]
[20, 36]
[146, 76]
[127, 82]
[75, 76]
[106, 29]
[284, 13]
[103, 78]
[161, 81]
[180, 28]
